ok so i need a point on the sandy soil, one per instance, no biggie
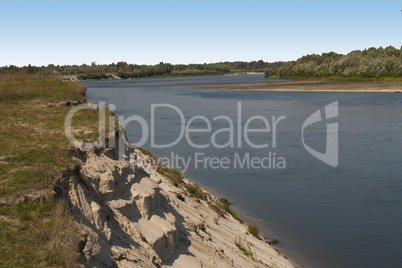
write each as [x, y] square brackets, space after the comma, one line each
[131, 216]
[316, 86]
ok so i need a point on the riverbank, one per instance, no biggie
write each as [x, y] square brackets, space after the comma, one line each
[125, 211]
[113, 76]
[316, 86]
[35, 229]
[284, 202]
[138, 212]
[243, 73]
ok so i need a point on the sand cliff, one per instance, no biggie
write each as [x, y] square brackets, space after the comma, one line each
[131, 216]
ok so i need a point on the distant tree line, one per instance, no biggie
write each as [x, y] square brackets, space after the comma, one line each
[125, 70]
[369, 63]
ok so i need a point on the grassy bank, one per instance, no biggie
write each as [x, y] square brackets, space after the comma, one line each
[35, 230]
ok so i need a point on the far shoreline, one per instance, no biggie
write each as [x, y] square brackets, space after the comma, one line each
[315, 86]
[113, 76]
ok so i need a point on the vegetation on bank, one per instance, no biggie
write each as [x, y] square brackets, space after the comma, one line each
[19, 88]
[195, 191]
[367, 65]
[339, 78]
[225, 205]
[253, 229]
[125, 70]
[35, 229]
[246, 251]
[172, 174]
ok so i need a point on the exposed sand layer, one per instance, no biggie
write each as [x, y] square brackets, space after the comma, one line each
[132, 217]
[316, 86]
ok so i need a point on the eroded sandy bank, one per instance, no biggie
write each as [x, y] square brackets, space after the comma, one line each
[133, 216]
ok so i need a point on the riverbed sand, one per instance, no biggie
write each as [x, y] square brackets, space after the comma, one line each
[316, 86]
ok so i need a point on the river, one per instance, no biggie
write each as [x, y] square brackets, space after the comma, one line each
[345, 214]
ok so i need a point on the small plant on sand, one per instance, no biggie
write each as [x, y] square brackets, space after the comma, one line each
[146, 152]
[226, 206]
[253, 229]
[239, 244]
[195, 191]
[172, 174]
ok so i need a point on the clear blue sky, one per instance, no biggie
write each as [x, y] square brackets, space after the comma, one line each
[147, 32]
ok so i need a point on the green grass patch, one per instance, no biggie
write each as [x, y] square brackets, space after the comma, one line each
[176, 178]
[247, 252]
[25, 86]
[225, 205]
[195, 191]
[37, 234]
[33, 144]
[34, 150]
[172, 174]
[253, 229]
[146, 152]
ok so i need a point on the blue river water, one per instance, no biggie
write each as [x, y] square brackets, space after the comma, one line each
[344, 215]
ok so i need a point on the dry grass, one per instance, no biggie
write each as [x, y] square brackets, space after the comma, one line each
[38, 86]
[172, 174]
[38, 234]
[195, 191]
[33, 145]
[34, 150]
